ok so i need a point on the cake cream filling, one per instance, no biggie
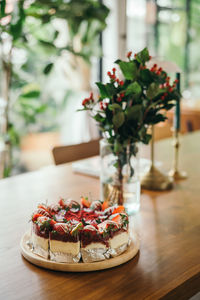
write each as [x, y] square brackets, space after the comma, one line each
[40, 245]
[119, 240]
[65, 247]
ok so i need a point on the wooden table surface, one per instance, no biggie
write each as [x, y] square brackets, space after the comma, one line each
[168, 265]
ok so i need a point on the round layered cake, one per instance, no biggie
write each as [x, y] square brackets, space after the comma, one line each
[69, 231]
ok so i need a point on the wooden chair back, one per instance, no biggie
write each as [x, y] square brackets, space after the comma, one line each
[65, 154]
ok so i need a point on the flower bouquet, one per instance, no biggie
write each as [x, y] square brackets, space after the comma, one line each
[126, 108]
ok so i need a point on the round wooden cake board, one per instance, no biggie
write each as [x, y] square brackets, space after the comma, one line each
[77, 267]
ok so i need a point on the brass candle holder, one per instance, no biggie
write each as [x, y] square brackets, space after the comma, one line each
[175, 173]
[154, 179]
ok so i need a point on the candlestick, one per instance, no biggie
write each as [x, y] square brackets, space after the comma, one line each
[154, 179]
[174, 172]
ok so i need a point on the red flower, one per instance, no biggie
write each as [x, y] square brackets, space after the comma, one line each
[129, 54]
[176, 81]
[108, 73]
[119, 99]
[101, 105]
[121, 82]
[114, 70]
[122, 95]
[85, 101]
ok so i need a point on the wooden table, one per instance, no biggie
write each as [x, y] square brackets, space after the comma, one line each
[168, 265]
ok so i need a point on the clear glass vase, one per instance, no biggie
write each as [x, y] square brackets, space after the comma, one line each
[119, 176]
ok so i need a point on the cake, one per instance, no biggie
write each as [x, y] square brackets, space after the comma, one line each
[68, 231]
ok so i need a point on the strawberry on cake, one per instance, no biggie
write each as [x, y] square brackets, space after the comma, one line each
[40, 234]
[65, 242]
[68, 231]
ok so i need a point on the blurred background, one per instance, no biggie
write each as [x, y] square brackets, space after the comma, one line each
[53, 51]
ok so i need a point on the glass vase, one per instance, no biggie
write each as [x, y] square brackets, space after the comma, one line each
[119, 176]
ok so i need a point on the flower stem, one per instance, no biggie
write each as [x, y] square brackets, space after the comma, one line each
[120, 179]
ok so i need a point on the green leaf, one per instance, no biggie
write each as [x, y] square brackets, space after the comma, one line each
[47, 44]
[115, 106]
[42, 108]
[117, 146]
[31, 94]
[154, 119]
[133, 88]
[117, 61]
[3, 6]
[17, 20]
[129, 69]
[145, 76]
[143, 56]
[111, 89]
[118, 119]
[135, 113]
[48, 68]
[98, 118]
[7, 171]
[153, 90]
[102, 89]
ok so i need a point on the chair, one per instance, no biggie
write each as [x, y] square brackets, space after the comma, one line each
[65, 154]
[190, 119]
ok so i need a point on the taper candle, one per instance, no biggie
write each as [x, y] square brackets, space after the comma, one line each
[177, 108]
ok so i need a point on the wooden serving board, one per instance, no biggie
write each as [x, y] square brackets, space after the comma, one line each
[77, 267]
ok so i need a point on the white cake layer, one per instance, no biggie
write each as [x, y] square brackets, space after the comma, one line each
[119, 240]
[40, 242]
[95, 246]
[65, 247]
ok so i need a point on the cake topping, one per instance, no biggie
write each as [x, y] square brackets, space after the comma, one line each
[77, 229]
[86, 229]
[36, 216]
[85, 202]
[96, 205]
[105, 205]
[61, 228]
[118, 209]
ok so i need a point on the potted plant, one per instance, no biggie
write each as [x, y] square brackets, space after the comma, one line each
[124, 111]
[26, 28]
